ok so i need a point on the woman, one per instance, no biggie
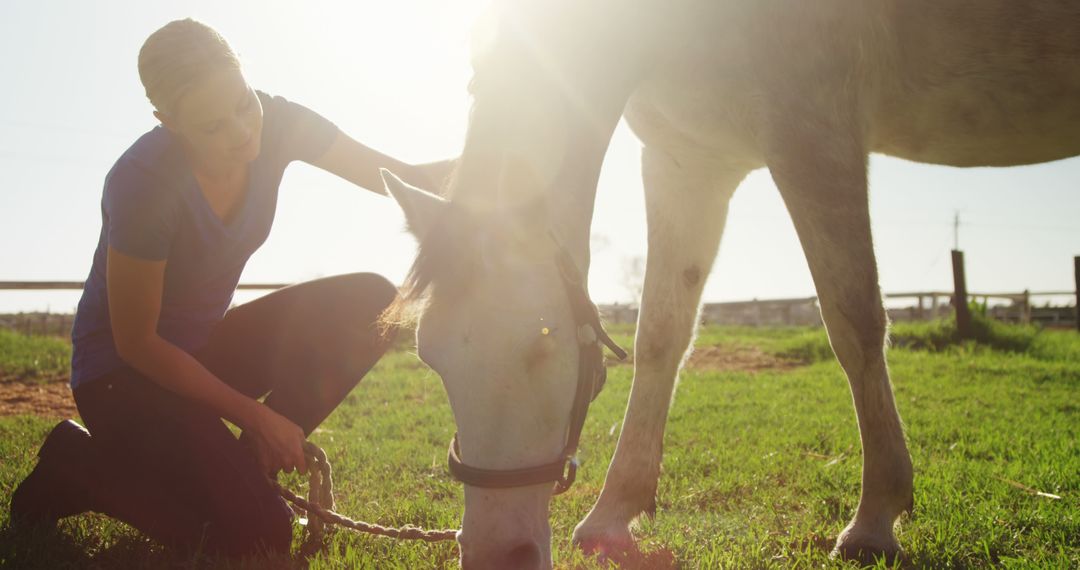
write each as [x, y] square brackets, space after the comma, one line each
[157, 361]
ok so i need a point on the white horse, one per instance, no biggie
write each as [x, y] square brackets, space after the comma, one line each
[714, 89]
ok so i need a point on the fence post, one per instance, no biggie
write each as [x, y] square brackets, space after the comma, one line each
[963, 314]
[1076, 270]
[1025, 317]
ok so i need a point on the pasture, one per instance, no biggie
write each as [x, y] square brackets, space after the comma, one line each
[761, 466]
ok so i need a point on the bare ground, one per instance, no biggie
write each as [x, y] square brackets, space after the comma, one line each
[50, 398]
[738, 359]
[731, 359]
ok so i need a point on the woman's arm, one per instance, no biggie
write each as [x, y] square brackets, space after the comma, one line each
[360, 164]
[134, 292]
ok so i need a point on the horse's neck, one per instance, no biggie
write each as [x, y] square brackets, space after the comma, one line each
[561, 202]
[567, 206]
[555, 104]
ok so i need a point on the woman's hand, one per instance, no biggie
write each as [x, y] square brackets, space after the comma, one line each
[278, 443]
[432, 176]
[360, 165]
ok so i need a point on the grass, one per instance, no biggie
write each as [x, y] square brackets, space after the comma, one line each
[32, 358]
[761, 470]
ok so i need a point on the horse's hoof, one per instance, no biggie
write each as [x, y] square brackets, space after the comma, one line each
[616, 548]
[867, 548]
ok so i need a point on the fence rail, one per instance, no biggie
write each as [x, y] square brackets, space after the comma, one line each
[59, 324]
[928, 305]
[801, 311]
[78, 285]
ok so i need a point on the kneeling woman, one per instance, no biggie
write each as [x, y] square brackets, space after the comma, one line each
[157, 361]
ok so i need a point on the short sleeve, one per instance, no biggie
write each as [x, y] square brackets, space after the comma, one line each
[296, 132]
[140, 212]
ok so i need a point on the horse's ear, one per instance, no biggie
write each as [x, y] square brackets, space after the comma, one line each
[421, 208]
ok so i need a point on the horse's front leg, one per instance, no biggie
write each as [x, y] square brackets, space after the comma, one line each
[686, 206]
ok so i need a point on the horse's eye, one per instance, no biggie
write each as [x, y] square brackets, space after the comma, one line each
[540, 349]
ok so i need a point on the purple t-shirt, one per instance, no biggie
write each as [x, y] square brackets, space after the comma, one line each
[152, 208]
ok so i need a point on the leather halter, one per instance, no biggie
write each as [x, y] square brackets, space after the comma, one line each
[591, 377]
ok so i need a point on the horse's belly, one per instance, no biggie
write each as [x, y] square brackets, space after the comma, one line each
[978, 82]
[994, 123]
[938, 87]
[1008, 150]
[714, 118]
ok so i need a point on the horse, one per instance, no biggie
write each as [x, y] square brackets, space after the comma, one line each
[713, 89]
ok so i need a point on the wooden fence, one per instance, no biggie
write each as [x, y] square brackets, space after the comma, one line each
[928, 305]
[804, 311]
[59, 324]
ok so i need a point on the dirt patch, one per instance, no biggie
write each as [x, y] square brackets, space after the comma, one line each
[729, 359]
[738, 359]
[50, 399]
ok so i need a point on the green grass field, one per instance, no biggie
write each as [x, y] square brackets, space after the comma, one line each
[761, 468]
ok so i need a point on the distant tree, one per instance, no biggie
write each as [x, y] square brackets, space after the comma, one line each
[633, 270]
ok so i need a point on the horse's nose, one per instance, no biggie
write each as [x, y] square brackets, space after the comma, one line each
[525, 555]
[521, 556]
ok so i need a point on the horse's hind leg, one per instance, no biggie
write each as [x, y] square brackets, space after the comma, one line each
[821, 172]
[686, 204]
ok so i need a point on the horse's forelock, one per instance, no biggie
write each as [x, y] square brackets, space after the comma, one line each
[447, 259]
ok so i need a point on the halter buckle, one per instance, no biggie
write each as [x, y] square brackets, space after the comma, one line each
[568, 477]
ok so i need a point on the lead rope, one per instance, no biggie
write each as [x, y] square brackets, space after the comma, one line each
[320, 503]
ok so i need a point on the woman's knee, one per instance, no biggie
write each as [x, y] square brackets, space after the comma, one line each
[357, 308]
[276, 530]
[371, 291]
[255, 531]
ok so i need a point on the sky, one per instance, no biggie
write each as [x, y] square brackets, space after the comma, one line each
[393, 75]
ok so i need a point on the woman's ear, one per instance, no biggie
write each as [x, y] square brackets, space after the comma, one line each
[165, 120]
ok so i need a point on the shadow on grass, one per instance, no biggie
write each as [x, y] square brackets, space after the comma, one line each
[60, 548]
[40, 548]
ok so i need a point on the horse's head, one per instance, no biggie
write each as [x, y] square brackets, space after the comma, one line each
[498, 285]
[505, 321]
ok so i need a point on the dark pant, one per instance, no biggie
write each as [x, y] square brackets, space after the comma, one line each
[171, 468]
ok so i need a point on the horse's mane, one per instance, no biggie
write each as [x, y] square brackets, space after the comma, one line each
[449, 254]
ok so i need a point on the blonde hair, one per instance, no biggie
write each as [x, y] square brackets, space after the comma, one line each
[174, 58]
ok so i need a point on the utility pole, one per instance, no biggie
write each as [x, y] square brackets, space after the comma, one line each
[1076, 270]
[956, 230]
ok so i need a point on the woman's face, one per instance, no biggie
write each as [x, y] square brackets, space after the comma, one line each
[220, 119]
